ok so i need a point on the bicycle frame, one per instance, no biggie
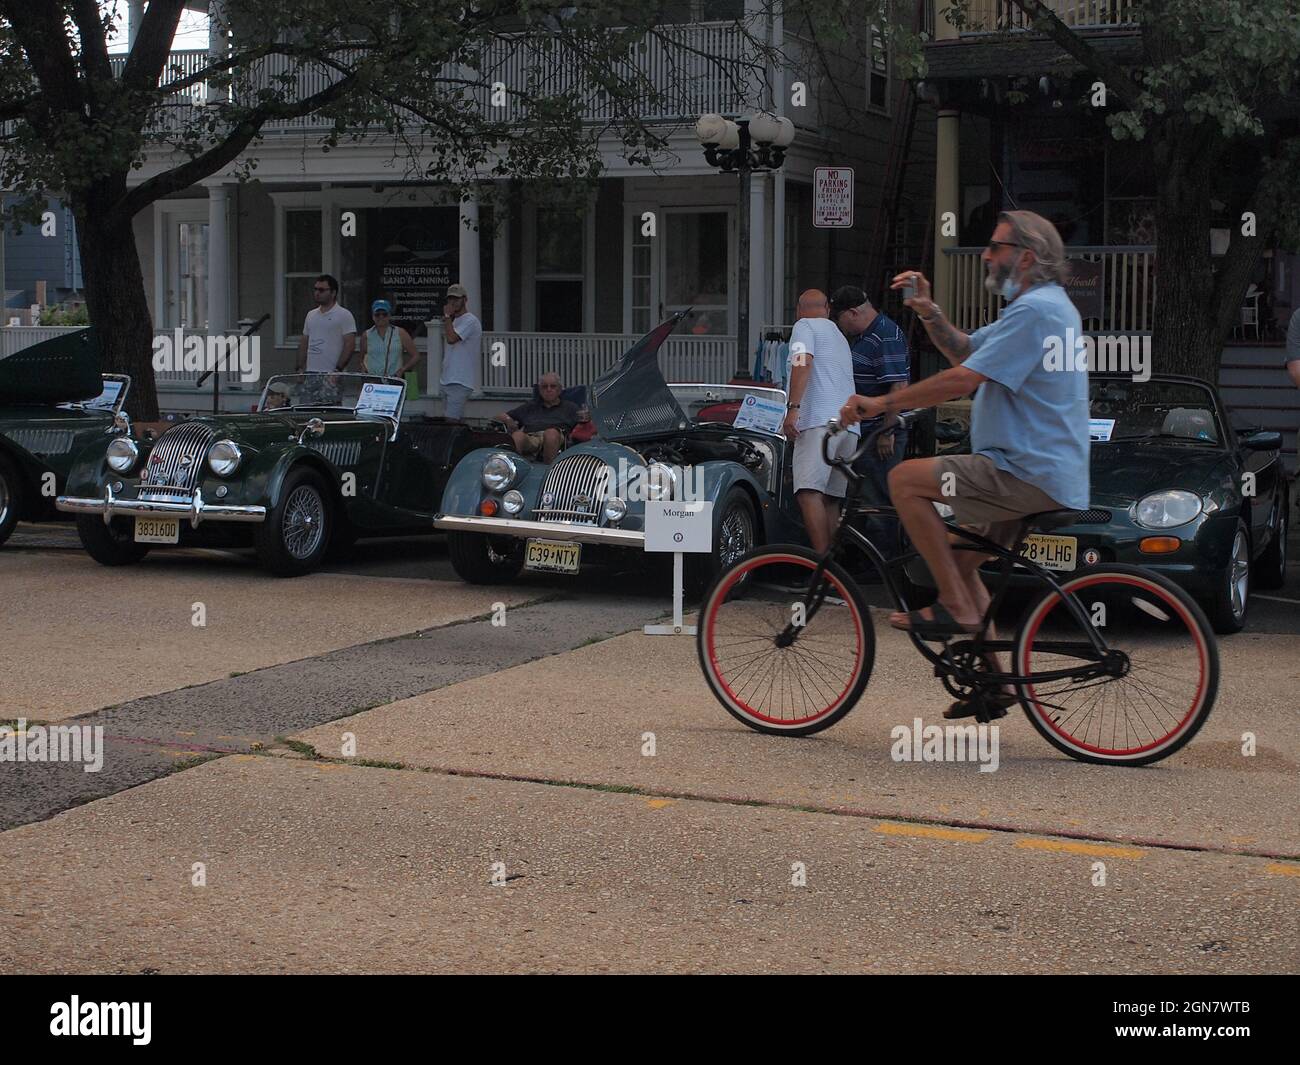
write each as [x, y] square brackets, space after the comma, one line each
[845, 534]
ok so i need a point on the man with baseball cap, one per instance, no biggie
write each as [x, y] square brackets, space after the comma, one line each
[881, 364]
[463, 334]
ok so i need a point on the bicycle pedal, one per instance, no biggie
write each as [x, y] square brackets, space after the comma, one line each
[986, 713]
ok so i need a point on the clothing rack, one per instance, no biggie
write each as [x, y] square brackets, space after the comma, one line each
[772, 356]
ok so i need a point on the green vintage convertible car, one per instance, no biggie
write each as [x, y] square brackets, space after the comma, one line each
[326, 459]
[53, 403]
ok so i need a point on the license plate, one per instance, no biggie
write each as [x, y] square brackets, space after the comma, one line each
[157, 530]
[552, 556]
[1051, 552]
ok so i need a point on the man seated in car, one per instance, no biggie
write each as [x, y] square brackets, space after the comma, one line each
[540, 426]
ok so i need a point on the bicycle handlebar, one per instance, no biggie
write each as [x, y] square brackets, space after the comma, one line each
[888, 424]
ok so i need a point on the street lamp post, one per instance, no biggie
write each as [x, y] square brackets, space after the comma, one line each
[757, 143]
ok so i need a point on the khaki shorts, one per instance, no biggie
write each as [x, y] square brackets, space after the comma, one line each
[989, 500]
[810, 469]
[532, 444]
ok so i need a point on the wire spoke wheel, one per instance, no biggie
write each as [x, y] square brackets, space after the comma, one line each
[781, 653]
[304, 521]
[1162, 675]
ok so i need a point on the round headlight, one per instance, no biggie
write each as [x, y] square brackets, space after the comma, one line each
[122, 454]
[615, 509]
[224, 458]
[512, 502]
[1164, 510]
[660, 481]
[499, 472]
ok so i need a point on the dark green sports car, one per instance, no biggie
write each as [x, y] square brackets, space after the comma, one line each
[53, 403]
[1180, 489]
[326, 459]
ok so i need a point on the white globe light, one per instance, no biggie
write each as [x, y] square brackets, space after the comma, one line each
[764, 128]
[785, 135]
[731, 138]
[710, 129]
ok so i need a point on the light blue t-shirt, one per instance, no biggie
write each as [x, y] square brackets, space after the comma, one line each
[1030, 420]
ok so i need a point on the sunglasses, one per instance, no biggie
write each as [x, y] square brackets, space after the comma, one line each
[995, 244]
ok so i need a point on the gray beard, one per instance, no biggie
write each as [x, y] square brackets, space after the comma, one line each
[993, 280]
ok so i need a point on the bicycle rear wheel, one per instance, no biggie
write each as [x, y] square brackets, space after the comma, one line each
[1163, 696]
[782, 655]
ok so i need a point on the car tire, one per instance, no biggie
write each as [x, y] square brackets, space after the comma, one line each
[11, 498]
[1228, 607]
[1271, 567]
[296, 534]
[736, 516]
[110, 545]
[480, 559]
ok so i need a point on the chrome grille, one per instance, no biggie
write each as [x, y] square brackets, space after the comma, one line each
[339, 452]
[43, 441]
[577, 475]
[1093, 517]
[168, 475]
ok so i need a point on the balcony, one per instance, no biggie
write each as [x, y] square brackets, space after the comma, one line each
[680, 79]
[1115, 282]
[1002, 16]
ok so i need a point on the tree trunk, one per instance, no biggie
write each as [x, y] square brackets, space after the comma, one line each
[1186, 338]
[115, 298]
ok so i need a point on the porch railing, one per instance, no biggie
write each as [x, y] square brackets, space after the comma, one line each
[579, 358]
[689, 75]
[986, 16]
[1122, 280]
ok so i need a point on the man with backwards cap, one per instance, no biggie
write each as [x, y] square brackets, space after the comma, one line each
[387, 350]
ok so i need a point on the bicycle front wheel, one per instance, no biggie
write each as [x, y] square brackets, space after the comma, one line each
[783, 652]
[1168, 672]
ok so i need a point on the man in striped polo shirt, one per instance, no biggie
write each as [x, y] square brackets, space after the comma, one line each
[881, 364]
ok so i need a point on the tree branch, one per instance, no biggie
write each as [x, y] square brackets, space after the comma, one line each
[148, 57]
[94, 48]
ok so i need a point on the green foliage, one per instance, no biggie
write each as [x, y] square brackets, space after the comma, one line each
[58, 314]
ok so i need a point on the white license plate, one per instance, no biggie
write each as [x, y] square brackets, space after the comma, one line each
[1051, 552]
[552, 556]
[157, 530]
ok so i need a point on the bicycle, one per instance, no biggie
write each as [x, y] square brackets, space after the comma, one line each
[1112, 664]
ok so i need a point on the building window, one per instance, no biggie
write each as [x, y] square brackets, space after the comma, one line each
[642, 305]
[192, 274]
[878, 72]
[559, 274]
[697, 269]
[302, 249]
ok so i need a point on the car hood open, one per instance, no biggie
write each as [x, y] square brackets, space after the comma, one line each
[63, 369]
[632, 401]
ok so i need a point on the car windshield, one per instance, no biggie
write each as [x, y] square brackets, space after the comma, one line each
[1171, 411]
[757, 408]
[364, 394]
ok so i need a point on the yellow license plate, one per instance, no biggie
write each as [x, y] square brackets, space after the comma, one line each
[552, 556]
[1051, 552]
[157, 530]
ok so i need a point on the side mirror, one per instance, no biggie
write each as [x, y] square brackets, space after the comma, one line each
[1261, 440]
[121, 423]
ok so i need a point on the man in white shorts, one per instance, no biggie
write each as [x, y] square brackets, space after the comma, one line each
[821, 376]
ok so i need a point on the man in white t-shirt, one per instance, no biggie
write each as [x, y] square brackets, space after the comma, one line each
[460, 361]
[329, 332]
[821, 374]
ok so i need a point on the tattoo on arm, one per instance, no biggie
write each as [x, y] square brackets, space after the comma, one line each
[948, 338]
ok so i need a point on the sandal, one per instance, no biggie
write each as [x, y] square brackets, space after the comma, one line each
[941, 626]
[983, 706]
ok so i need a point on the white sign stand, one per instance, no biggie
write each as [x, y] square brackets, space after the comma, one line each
[679, 528]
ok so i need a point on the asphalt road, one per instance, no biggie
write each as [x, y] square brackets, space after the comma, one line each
[523, 746]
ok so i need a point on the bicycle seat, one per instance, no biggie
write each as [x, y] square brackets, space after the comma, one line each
[1052, 519]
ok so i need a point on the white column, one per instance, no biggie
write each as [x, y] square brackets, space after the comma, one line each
[759, 253]
[134, 16]
[470, 265]
[779, 237]
[218, 260]
[501, 271]
[217, 42]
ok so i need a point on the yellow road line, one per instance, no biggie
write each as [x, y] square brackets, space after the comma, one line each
[891, 828]
[1282, 869]
[659, 804]
[1071, 847]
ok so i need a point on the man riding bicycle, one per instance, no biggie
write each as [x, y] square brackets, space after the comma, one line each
[1029, 422]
